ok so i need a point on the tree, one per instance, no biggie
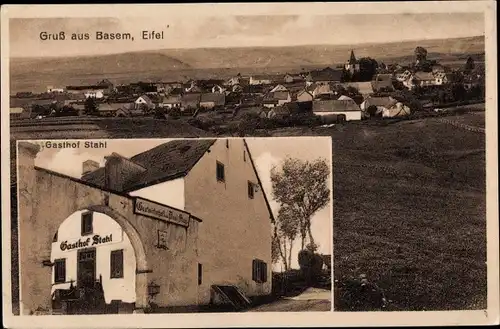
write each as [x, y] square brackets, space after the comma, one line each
[345, 76]
[420, 54]
[285, 232]
[310, 264]
[367, 69]
[469, 65]
[90, 106]
[301, 186]
[372, 110]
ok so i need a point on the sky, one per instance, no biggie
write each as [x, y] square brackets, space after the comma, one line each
[266, 153]
[236, 31]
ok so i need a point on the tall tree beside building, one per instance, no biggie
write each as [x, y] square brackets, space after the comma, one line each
[367, 69]
[420, 54]
[301, 187]
[285, 232]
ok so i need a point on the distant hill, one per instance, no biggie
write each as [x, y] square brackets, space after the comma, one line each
[31, 74]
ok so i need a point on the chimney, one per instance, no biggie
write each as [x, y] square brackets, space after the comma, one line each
[89, 166]
[120, 170]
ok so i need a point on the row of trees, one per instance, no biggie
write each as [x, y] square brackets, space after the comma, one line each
[300, 188]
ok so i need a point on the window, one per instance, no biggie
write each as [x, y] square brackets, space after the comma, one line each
[87, 223]
[60, 270]
[227, 143]
[220, 172]
[250, 190]
[116, 267]
[259, 271]
[200, 273]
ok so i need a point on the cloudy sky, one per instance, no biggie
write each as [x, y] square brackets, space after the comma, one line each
[236, 31]
[266, 152]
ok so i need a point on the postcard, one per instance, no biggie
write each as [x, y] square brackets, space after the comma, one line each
[188, 165]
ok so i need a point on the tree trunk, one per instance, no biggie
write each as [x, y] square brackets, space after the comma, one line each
[290, 255]
[285, 255]
[311, 239]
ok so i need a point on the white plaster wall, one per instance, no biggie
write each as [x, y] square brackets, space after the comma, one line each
[349, 115]
[70, 230]
[170, 193]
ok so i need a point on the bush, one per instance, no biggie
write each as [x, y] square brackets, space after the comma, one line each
[372, 110]
[311, 265]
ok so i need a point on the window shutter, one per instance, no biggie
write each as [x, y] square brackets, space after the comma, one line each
[264, 272]
[254, 270]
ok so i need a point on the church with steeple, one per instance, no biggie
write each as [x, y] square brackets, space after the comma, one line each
[352, 65]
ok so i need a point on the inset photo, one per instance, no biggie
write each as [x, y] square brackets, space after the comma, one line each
[172, 226]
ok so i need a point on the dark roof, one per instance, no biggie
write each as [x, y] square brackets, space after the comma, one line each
[277, 95]
[165, 162]
[264, 77]
[176, 91]
[325, 75]
[218, 99]
[335, 106]
[299, 107]
[379, 101]
[424, 76]
[280, 110]
[114, 106]
[378, 85]
[191, 99]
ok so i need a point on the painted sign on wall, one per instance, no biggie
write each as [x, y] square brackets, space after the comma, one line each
[159, 211]
[94, 241]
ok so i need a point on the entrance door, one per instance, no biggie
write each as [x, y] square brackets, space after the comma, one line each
[86, 270]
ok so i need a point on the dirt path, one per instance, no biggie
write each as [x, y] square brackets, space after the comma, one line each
[312, 300]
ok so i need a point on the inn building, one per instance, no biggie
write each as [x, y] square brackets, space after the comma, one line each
[185, 224]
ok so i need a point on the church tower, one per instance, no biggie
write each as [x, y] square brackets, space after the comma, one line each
[352, 64]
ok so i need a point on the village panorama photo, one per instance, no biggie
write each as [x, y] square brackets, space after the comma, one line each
[173, 226]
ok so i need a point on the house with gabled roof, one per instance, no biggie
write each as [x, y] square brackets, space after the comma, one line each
[279, 88]
[217, 182]
[190, 101]
[145, 100]
[162, 225]
[171, 102]
[276, 98]
[212, 100]
[346, 108]
[305, 95]
[292, 78]
[381, 103]
[382, 82]
[423, 79]
[261, 79]
[324, 76]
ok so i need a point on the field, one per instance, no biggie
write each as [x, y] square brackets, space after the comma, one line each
[35, 74]
[409, 213]
[409, 203]
[86, 127]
